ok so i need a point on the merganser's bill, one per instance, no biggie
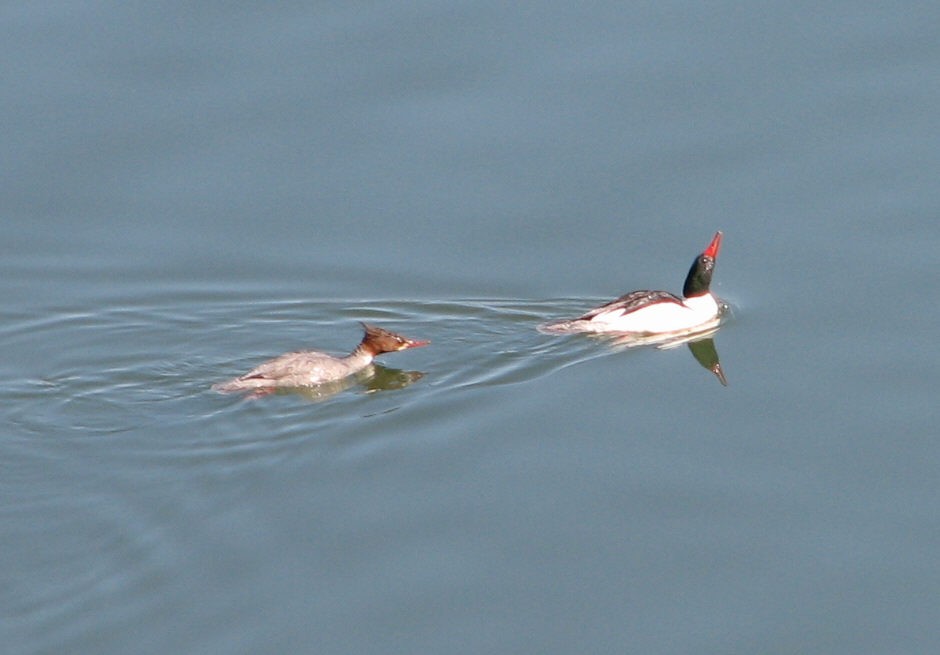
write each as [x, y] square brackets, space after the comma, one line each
[657, 312]
[310, 367]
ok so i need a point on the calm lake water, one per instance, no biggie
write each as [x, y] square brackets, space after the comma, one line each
[189, 190]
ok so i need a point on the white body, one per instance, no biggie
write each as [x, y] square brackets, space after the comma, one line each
[658, 317]
[666, 317]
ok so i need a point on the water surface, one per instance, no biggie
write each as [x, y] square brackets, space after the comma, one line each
[191, 190]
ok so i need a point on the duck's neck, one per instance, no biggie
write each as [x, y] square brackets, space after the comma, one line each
[699, 278]
[362, 355]
[704, 303]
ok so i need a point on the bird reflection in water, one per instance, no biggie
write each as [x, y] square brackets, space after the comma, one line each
[372, 379]
[705, 354]
[701, 345]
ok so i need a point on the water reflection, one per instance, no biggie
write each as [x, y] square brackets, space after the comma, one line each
[372, 379]
[706, 355]
[388, 379]
[701, 345]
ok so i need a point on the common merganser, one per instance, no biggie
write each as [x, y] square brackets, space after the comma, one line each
[657, 312]
[310, 368]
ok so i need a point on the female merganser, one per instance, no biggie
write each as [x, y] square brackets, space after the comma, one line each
[310, 368]
[657, 312]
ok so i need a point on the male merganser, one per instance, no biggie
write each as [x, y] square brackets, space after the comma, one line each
[657, 312]
[310, 368]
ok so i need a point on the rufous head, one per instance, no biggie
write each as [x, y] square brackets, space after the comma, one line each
[379, 340]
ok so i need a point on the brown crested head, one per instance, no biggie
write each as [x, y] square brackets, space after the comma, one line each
[379, 340]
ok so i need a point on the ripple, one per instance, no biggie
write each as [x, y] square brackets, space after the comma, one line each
[117, 441]
[129, 370]
[54, 584]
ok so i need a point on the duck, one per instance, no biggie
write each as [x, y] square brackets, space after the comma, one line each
[310, 368]
[650, 313]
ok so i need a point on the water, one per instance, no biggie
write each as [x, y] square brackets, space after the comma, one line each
[190, 190]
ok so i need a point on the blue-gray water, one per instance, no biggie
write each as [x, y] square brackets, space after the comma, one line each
[188, 189]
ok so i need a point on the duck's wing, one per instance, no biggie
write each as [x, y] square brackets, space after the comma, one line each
[629, 302]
